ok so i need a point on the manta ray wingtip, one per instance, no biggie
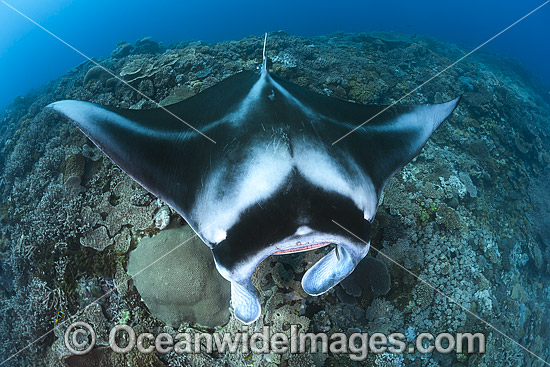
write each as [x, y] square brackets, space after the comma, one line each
[53, 105]
[75, 110]
[456, 101]
[449, 106]
[452, 104]
[59, 104]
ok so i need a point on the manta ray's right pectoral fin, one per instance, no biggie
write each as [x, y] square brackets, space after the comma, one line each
[166, 149]
[154, 148]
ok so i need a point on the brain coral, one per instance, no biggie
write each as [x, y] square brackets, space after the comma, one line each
[182, 286]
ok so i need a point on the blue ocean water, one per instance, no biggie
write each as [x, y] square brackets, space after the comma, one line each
[30, 57]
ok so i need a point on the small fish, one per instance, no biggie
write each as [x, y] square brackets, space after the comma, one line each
[60, 316]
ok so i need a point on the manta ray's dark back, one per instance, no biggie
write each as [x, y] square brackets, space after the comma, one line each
[273, 181]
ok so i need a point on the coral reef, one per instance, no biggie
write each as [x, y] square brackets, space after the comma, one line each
[96, 73]
[183, 284]
[540, 201]
[371, 275]
[382, 317]
[468, 216]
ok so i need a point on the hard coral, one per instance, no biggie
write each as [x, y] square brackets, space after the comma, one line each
[96, 73]
[383, 317]
[106, 357]
[538, 193]
[183, 286]
[141, 67]
[449, 217]
[370, 275]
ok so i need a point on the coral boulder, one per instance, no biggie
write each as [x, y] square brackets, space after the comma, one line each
[175, 275]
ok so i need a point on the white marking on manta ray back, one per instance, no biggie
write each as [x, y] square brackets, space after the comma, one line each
[89, 117]
[252, 97]
[291, 98]
[344, 177]
[422, 120]
[419, 124]
[303, 230]
[229, 191]
[219, 235]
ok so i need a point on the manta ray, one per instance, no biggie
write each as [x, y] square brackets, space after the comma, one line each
[273, 182]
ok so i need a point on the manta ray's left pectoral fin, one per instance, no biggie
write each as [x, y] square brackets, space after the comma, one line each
[381, 139]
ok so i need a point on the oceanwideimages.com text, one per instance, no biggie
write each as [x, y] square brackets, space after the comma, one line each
[80, 338]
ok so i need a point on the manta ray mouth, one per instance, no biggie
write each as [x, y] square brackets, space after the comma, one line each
[324, 274]
[301, 247]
